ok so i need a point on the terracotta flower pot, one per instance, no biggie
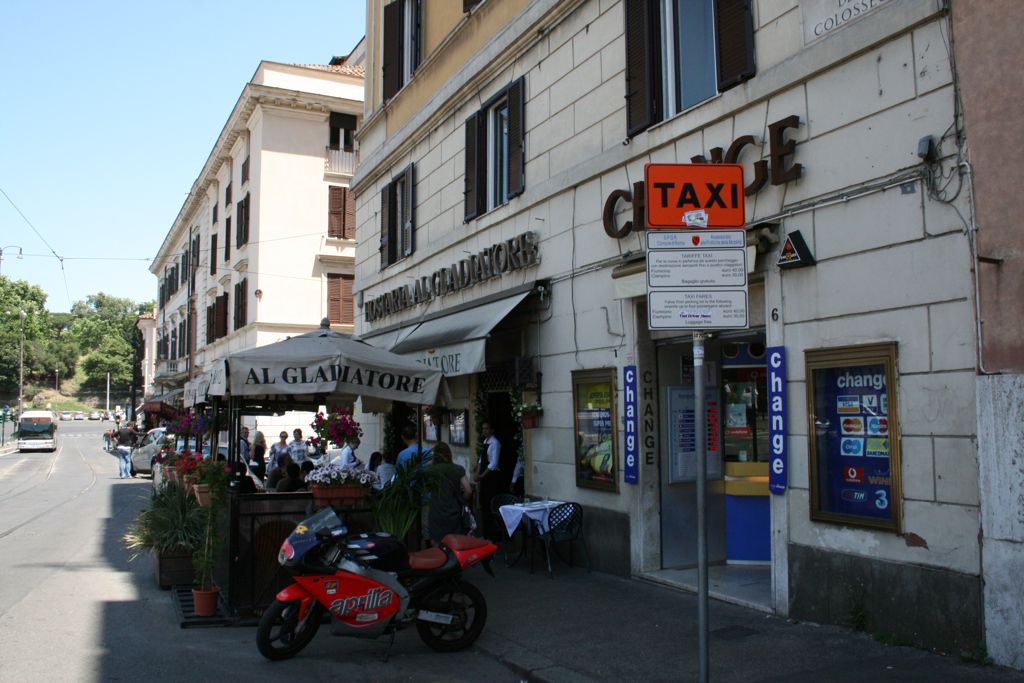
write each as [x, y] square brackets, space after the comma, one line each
[204, 603]
[202, 494]
[529, 420]
[341, 495]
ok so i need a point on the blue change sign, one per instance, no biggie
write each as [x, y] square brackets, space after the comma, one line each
[631, 471]
[777, 450]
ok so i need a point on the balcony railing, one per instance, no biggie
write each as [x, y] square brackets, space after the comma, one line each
[341, 162]
[166, 367]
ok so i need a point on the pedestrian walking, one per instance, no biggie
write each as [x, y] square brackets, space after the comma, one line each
[448, 503]
[125, 443]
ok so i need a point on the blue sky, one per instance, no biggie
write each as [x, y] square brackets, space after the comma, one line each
[109, 112]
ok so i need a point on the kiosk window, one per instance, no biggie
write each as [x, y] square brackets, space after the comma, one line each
[853, 435]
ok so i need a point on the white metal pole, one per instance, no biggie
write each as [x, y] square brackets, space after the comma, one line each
[700, 429]
[108, 392]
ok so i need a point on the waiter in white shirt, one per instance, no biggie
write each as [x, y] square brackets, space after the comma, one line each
[489, 477]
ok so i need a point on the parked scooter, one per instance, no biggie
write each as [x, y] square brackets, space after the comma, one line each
[370, 585]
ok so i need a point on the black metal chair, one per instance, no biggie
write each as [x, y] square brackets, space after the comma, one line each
[565, 523]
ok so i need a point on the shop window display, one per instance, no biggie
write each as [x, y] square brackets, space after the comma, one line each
[853, 435]
[593, 394]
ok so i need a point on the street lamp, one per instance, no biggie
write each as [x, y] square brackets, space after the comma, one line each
[10, 246]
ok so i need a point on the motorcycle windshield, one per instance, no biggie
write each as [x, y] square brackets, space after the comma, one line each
[303, 538]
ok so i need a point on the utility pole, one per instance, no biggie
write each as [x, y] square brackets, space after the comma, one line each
[56, 379]
[21, 365]
[108, 392]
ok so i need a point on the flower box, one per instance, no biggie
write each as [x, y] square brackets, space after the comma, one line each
[174, 567]
[339, 495]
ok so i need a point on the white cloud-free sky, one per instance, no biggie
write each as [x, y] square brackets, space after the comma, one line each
[109, 110]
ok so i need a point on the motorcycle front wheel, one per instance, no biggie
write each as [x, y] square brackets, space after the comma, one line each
[465, 603]
[281, 634]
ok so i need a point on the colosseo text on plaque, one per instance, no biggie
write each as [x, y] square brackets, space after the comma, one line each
[697, 280]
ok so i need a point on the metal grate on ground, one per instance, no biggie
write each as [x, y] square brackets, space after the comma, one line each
[181, 596]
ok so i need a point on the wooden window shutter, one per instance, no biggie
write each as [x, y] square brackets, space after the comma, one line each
[336, 211]
[409, 203]
[348, 309]
[642, 41]
[349, 230]
[244, 292]
[734, 33]
[210, 337]
[222, 315]
[470, 191]
[334, 138]
[394, 29]
[214, 213]
[239, 223]
[334, 298]
[213, 254]
[517, 138]
[248, 203]
[385, 225]
[227, 238]
[417, 34]
[234, 310]
[472, 188]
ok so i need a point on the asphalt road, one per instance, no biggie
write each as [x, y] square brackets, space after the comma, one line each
[73, 608]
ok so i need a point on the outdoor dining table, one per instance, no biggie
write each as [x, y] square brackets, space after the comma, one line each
[537, 512]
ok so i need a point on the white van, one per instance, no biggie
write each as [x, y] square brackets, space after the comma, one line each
[37, 431]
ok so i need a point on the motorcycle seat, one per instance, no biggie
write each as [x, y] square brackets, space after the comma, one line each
[431, 558]
[463, 542]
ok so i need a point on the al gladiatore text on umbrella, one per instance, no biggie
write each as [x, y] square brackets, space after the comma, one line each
[338, 373]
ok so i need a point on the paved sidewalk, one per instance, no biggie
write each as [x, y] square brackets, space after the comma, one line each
[580, 628]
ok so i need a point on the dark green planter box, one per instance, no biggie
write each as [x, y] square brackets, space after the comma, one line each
[174, 568]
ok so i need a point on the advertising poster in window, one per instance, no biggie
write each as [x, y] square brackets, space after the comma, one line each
[457, 431]
[596, 458]
[432, 425]
[854, 443]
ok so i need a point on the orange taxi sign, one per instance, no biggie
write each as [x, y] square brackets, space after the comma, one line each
[694, 196]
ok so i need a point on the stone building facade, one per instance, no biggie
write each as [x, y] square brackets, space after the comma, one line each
[501, 236]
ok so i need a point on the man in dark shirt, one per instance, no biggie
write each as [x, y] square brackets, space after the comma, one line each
[125, 443]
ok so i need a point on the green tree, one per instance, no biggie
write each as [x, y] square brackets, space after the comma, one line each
[113, 355]
[15, 296]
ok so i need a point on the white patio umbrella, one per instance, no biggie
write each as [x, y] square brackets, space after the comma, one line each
[333, 365]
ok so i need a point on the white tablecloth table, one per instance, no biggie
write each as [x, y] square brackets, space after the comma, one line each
[537, 512]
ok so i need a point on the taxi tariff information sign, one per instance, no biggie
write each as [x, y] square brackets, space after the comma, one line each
[694, 195]
[697, 280]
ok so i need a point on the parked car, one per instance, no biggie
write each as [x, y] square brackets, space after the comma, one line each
[79, 415]
[146, 450]
[65, 415]
[94, 415]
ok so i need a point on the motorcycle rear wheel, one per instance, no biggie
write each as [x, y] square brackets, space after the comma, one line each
[280, 634]
[466, 603]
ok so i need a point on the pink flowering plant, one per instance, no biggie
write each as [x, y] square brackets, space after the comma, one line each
[336, 475]
[334, 428]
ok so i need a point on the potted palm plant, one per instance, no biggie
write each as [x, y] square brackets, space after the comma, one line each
[397, 505]
[171, 527]
[204, 561]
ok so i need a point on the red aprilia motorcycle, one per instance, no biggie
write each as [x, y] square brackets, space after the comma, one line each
[371, 586]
